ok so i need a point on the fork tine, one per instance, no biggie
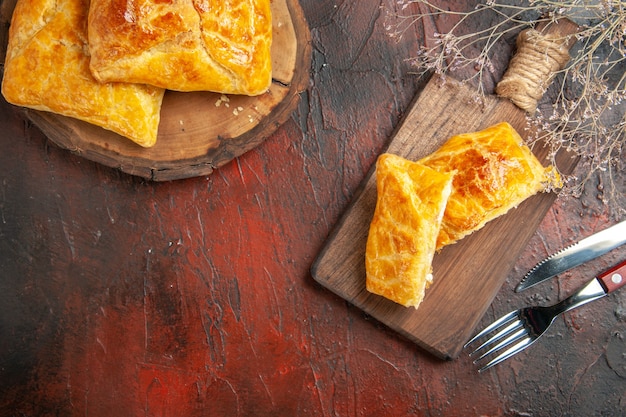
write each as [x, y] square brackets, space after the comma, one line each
[513, 327]
[523, 344]
[492, 326]
[506, 342]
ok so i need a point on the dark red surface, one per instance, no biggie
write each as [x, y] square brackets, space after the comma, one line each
[194, 298]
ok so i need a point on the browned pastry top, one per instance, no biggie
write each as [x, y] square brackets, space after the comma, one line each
[185, 45]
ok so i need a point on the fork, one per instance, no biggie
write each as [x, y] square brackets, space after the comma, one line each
[519, 329]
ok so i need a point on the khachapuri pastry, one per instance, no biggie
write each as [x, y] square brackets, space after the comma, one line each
[47, 68]
[184, 45]
[401, 242]
[494, 171]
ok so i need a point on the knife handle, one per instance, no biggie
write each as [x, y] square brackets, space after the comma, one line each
[613, 278]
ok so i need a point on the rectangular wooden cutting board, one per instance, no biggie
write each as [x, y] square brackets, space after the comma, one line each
[468, 274]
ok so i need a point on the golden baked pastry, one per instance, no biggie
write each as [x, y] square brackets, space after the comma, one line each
[493, 172]
[403, 233]
[184, 45]
[47, 68]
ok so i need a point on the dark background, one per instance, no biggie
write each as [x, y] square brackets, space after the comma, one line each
[124, 297]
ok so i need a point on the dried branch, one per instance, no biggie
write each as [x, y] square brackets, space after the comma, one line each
[584, 110]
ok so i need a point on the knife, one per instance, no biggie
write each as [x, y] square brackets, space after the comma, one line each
[574, 255]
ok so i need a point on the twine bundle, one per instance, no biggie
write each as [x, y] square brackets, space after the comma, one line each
[531, 70]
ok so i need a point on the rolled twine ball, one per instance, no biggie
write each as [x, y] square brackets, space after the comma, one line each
[531, 70]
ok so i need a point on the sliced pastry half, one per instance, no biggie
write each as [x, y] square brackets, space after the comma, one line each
[47, 68]
[411, 199]
[494, 172]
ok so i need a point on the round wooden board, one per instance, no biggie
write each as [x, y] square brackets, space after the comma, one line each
[199, 131]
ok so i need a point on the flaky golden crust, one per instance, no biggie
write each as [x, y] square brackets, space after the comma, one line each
[185, 45]
[47, 68]
[494, 172]
[401, 242]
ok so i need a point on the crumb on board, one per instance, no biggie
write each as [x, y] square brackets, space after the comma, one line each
[223, 99]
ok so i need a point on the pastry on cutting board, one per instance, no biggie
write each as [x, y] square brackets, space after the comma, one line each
[47, 68]
[494, 171]
[411, 199]
[184, 45]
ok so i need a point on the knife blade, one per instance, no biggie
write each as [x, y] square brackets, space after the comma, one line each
[574, 255]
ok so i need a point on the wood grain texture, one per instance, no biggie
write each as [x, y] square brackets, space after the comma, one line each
[198, 131]
[468, 274]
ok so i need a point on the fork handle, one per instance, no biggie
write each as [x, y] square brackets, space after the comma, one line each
[607, 282]
[614, 278]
